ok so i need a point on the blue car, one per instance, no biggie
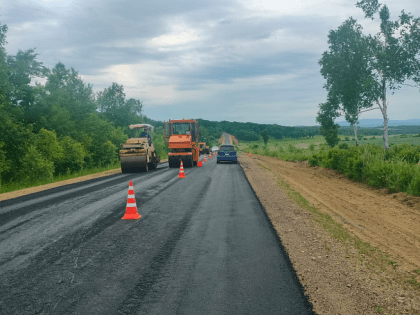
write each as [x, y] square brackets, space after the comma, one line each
[227, 153]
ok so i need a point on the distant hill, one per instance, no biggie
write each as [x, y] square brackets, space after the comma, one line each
[379, 122]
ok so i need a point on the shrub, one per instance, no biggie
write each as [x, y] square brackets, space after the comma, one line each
[346, 139]
[414, 187]
[291, 148]
[313, 160]
[34, 167]
[354, 168]
[401, 176]
[74, 156]
[343, 145]
[312, 147]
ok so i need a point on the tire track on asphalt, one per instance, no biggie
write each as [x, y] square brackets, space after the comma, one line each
[22, 282]
[17, 207]
[154, 272]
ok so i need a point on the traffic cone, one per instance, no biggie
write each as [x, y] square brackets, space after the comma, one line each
[199, 164]
[205, 160]
[249, 153]
[210, 155]
[181, 171]
[131, 208]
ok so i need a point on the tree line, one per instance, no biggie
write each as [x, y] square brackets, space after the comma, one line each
[60, 127]
[361, 70]
[252, 131]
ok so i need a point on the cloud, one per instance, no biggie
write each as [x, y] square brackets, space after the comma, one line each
[243, 60]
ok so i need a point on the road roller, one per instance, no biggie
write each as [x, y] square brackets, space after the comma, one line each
[139, 154]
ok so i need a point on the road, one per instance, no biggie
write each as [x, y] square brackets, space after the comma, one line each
[227, 139]
[203, 246]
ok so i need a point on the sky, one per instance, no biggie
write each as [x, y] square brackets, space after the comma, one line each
[245, 61]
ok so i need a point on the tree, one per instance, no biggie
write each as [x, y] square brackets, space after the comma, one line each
[67, 90]
[394, 54]
[265, 137]
[328, 128]
[116, 109]
[22, 68]
[347, 72]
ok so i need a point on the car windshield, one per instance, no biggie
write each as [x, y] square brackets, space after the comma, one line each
[227, 148]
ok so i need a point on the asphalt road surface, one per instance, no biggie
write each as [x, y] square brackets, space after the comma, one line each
[227, 139]
[203, 246]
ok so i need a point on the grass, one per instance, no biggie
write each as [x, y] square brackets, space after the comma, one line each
[260, 165]
[301, 147]
[17, 186]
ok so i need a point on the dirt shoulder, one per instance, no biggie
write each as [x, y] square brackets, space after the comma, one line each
[338, 279]
[31, 190]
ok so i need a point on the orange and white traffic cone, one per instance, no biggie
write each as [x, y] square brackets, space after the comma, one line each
[205, 160]
[210, 155]
[181, 171]
[131, 208]
[199, 164]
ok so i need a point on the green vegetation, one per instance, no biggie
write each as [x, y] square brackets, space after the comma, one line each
[361, 69]
[396, 169]
[61, 129]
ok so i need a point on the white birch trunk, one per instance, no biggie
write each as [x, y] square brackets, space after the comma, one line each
[385, 116]
[355, 133]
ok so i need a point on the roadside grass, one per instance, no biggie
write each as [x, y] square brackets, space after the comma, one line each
[373, 258]
[264, 167]
[17, 186]
[397, 169]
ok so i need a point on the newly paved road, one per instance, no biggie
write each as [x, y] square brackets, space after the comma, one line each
[227, 139]
[202, 246]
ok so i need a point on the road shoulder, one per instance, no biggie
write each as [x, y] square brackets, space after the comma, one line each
[31, 190]
[335, 279]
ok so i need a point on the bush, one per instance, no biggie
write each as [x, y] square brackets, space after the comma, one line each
[404, 152]
[47, 144]
[343, 146]
[74, 156]
[291, 148]
[312, 147]
[354, 168]
[314, 160]
[346, 139]
[414, 187]
[35, 167]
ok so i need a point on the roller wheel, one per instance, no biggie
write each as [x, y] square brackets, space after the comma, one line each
[153, 165]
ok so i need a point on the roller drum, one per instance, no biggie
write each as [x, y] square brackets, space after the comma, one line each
[133, 162]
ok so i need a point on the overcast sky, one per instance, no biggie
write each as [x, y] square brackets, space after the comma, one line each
[235, 60]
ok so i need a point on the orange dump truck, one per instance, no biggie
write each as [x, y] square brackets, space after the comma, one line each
[181, 136]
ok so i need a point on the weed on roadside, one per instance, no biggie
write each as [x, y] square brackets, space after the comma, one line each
[264, 167]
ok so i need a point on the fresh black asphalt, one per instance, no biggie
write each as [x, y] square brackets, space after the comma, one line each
[204, 245]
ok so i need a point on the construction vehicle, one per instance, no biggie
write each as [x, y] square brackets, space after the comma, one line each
[139, 154]
[204, 149]
[181, 136]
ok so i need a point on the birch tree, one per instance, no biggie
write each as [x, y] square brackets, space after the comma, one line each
[395, 54]
[349, 81]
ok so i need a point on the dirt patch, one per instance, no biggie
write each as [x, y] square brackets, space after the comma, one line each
[335, 277]
[31, 190]
[305, 145]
